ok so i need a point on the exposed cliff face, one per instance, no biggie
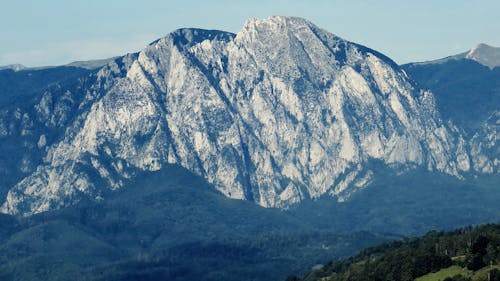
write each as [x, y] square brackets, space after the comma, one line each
[279, 112]
[485, 149]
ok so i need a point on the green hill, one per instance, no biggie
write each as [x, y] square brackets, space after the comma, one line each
[463, 254]
[168, 225]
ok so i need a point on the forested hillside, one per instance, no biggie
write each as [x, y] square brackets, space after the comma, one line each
[464, 254]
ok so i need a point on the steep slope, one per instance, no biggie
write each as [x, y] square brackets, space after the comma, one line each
[35, 107]
[469, 249]
[280, 112]
[468, 94]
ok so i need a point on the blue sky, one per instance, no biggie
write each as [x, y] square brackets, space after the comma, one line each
[53, 32]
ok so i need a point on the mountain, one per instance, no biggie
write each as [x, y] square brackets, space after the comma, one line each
[130, 171]
[463, 254]
[467, 92]
[281, 112]
[91, 64]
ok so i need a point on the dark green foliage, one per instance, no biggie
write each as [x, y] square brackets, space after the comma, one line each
[172, 225]
[252, 258]
[168, 225]
[484, 251]
[494, 275]
[410, 258]
[478, 252]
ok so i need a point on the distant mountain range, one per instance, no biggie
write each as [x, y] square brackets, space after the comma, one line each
[90, 64]
[483, 54]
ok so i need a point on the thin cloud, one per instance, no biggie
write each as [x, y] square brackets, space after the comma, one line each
[66, 52]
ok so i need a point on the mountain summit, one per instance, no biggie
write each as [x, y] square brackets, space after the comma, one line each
[485, 55]
[280, 112]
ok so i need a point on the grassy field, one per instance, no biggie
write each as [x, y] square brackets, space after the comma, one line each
[451, 271]
[482, 274]
[443, 273]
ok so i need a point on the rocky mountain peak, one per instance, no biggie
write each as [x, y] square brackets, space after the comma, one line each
[280, 112]
[485, 55]
[189, 37]
[276, 23]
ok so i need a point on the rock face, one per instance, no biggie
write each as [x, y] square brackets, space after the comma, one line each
[279, 112]
[36, 105]
[485, 148]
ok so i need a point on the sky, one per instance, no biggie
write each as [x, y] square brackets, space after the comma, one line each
[55, 32]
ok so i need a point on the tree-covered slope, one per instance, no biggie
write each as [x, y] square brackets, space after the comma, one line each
[474, 249]
[168, 225]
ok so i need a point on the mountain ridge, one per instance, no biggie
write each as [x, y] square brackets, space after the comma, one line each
[86, 64]
[482, 53]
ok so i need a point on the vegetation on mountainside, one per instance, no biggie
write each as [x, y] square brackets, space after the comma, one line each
[464, 254]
